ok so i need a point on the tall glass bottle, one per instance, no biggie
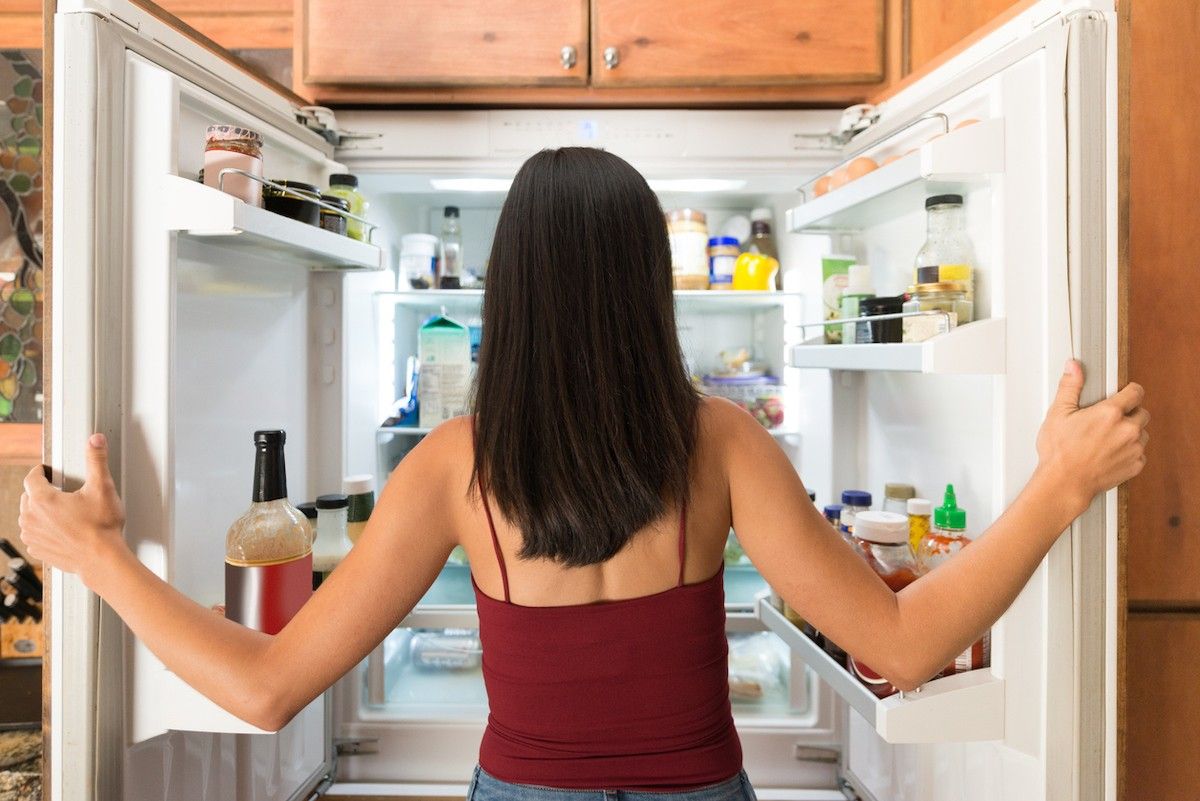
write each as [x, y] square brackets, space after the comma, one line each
[450, 270]
[268, 550]
[947, 255]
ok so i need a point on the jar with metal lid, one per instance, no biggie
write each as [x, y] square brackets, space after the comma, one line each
[331, 220]
[687, 232]
[234, 147]
[952, 297]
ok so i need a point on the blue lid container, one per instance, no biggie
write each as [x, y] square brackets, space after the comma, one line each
[856, 498]
[833, 512]
[723, 240]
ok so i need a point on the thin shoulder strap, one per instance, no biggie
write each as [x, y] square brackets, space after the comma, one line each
[495, 541]
[487, 510]
[682, 541]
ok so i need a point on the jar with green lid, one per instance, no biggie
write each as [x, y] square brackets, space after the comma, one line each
[346, 187]
[952, 297]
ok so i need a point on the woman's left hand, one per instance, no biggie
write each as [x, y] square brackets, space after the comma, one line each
[74, 531]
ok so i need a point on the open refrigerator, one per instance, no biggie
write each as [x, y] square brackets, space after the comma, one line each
[184, 319]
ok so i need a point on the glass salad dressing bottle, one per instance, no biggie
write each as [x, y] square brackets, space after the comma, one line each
[268, 550]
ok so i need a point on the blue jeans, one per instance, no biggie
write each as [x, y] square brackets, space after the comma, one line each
[486, 787]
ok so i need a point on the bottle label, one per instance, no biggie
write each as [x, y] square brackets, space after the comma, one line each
[266, 597]
[875, 683]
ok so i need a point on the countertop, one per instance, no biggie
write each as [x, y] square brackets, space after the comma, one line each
[20, 765]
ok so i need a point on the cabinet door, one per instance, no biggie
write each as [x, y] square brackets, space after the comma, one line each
[732, 42]
[432, 43]
[1162, 707]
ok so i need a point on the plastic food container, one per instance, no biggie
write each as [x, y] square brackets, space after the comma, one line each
[298, 208]
[762, 396]
[418, 259]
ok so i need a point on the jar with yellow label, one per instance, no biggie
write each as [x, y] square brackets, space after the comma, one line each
[947, 255]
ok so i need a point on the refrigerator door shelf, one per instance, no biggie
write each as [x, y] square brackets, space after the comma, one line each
[187, 710]
[963, 708]
[466, 301]
[951, 163]
[978, 348]
[206, 213]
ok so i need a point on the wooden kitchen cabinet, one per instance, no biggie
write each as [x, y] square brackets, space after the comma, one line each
[1162, 707]
[731, 42]
[379, 43]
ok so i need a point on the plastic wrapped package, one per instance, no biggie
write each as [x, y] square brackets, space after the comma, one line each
[758, 666]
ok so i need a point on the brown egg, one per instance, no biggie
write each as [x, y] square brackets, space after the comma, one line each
[821, 186]
[840, 178]
[890, 159]
[965, 123]
[861, 166]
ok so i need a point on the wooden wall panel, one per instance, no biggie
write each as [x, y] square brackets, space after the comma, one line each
[1164, 329]
[937, 25]
[1164, 708]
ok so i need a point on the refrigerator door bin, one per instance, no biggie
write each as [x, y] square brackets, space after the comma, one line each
[951, 163]
[961, 708]
[201, 212]
[978, 348]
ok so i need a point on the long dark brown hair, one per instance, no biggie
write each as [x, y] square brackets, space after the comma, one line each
[585, 418]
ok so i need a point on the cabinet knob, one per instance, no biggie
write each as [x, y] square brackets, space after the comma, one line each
[612, 57]
[567, 56]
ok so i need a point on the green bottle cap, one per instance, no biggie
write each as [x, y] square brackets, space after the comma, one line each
[948, 515]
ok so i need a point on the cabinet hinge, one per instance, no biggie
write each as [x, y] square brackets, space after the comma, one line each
[351, 746]
[324, 122]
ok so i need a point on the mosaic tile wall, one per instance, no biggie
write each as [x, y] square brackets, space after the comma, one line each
[20, 236]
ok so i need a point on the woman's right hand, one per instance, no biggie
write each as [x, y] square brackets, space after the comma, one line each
[1091, 450]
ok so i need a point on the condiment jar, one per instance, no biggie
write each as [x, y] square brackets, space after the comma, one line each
[332, 543]
[722, 253]
[361, 492]
[299, 201]
[895, 496]
[948, 296]
[309, 510]
[833, 513]
[418, 259]
[885, 330]
[947, 254]
[919, 510]
[882, 539]
[345, 186]
[234, 147]
[687, 232]
[853, 502]
[948, 535]
[331, 220]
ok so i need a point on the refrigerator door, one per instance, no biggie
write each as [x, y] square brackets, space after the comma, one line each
[181, 322]
[1023, 126]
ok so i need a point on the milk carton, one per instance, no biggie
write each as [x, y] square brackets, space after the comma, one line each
[444, 348]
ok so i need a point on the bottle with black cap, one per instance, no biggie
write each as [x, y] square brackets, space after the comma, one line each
[268, 550]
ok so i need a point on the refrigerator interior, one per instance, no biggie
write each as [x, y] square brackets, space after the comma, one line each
[198, 287]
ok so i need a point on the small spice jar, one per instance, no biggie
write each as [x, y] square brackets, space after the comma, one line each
[687, 231]
[234, 147]
[953, 297]
[331, 220]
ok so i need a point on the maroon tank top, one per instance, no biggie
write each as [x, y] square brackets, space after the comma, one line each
[630, 694]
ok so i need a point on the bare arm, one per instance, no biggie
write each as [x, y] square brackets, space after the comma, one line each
[265, 680]
[1081, 453]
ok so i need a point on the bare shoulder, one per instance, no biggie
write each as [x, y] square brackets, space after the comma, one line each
[724, 424]
[444, 454]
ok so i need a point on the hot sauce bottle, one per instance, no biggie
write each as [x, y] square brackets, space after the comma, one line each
[947, 537]
[882, 539]
[268, 550]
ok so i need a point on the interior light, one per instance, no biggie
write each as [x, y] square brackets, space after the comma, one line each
[471, 184]
[695, 184]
